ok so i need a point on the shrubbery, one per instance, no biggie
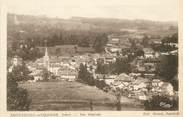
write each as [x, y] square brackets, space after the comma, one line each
[158, 102]
[17, 98]
[100, 84]
[85, 76]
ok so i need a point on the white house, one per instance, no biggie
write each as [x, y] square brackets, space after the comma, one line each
[148, 52]
[167, 88]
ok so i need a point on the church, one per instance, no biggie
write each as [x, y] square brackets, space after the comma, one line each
[61, 67]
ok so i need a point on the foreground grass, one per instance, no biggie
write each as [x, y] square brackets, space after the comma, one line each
[63, 95]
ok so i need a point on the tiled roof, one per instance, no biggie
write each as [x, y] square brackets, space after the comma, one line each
[124, 77]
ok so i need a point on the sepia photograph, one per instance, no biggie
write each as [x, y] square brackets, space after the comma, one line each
[89, 55]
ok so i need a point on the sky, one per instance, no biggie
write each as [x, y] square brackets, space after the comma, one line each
[158, 10]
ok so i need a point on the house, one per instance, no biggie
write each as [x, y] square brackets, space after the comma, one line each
[145, 66]
[149, 75]
[122, 81]
[115, 49]
[113, 41]
[148, 52]
[37, 74]
[156, 83]
[109, 59]
[123, 78]
[157, 54]
[54, 68]
[163, 88]
[174, 52]
[134, 75]
[67, 73]
[167, 88]
[109, 45]
[143, 97]
[141, 69]
[155, 41]
[156, 86]
[140, 83]
[122, 85]
[172, 44]
[61, 67]
[150, 67]
[164, 53]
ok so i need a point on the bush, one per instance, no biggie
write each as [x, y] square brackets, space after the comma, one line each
[161, 103]
[85, 76]
[175, 84]
[17, 98]
[100, 84]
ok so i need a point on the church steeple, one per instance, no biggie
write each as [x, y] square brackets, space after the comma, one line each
[46, 53]
[46, 57]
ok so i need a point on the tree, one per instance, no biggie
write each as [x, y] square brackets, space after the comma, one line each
[161, 102]
[85, 76]
[167, 69]
[100, 84]
[145, 41]
[133, 45]
[82, 72]
[84, 43]
[46, 75]
[102, 68]
[100, 42]
[171, 39]
[26, 49]
[118, 98]
[139, 52]
[17, 98]
[175, 38]
[122, 65]
[20, 73]
[165, 46]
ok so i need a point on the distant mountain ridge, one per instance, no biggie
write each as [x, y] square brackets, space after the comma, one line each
[84, 22]
[42, 26]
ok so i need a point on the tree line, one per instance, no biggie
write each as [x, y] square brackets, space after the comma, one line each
[27, 46]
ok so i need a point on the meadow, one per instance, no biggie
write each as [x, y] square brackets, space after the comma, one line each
[64, 95]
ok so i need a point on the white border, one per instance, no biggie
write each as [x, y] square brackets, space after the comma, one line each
[3, 68]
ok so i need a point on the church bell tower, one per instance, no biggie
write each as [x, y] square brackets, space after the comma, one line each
[46, 57]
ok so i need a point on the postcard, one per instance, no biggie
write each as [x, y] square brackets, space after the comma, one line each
[91, 58]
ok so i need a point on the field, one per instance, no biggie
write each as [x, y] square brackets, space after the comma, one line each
[67, 50]
[63, 95]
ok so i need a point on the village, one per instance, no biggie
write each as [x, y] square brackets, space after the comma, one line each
[139, 83]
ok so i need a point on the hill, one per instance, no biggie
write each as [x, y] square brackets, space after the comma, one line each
[32, 31]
